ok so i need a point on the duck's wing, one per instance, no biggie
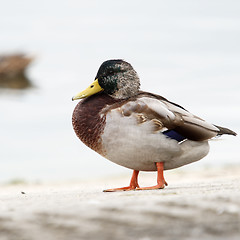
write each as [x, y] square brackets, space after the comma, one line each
[170, 118]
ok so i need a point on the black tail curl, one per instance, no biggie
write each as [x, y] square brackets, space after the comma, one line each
[223, 130]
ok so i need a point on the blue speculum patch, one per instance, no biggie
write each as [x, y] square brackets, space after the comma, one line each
[174, 135]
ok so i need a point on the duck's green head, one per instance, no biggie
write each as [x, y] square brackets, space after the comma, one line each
[117, 78]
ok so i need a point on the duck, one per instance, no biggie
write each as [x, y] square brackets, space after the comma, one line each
[138, 130]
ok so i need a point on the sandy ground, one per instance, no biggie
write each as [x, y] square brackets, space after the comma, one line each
[195, 205]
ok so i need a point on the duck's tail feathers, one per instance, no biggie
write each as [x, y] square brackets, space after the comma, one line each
[223, 130]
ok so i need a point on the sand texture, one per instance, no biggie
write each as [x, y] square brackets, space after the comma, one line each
[195, 205]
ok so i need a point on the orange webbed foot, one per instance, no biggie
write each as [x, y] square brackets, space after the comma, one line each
[129, 188]
[133, 184]
[158, 186]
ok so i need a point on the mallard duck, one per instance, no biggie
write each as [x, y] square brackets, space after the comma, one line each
[136, 129]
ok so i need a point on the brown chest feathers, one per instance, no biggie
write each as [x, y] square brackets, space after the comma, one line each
[87, 122]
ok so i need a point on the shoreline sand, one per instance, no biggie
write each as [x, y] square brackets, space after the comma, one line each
[195, 205]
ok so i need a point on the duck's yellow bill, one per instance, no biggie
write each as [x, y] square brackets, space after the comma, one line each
[91, 90]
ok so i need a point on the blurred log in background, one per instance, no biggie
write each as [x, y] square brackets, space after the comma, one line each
[13, 71]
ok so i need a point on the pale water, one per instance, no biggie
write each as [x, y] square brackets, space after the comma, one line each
[187, 51]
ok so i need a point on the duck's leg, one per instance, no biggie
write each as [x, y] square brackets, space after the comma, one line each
[133, 184]
[161, 183]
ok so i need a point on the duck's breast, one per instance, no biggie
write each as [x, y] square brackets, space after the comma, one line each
[87, 122]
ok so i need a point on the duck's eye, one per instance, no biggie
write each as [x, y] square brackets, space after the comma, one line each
[91, 86]
[110, 71]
